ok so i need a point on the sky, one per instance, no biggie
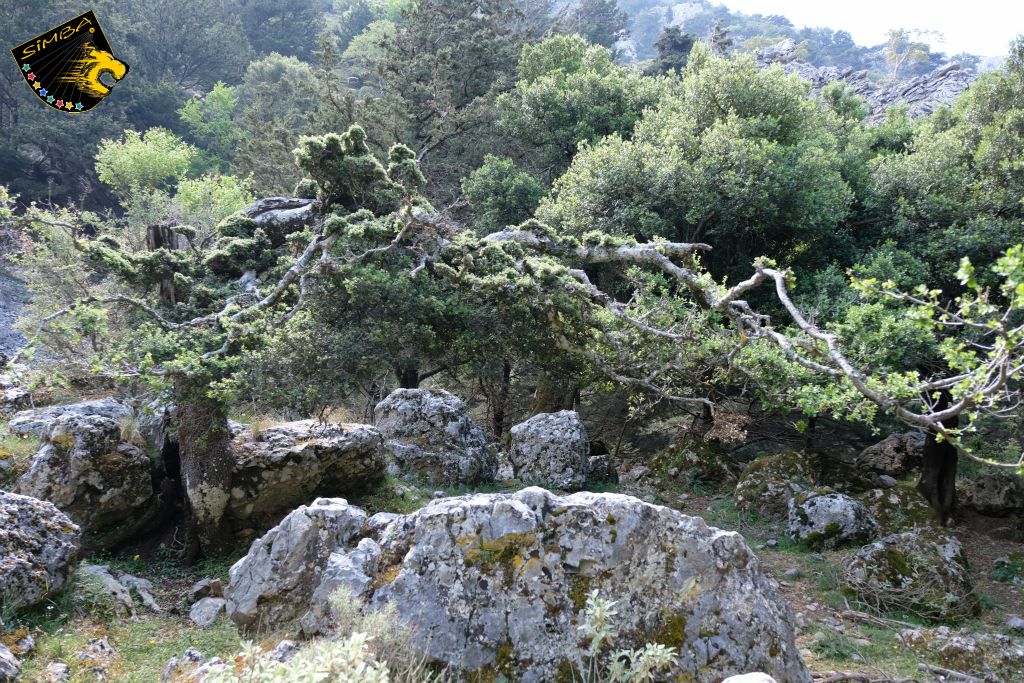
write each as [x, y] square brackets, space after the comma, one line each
[981, 27]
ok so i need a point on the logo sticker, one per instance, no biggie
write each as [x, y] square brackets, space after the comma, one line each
[65, 65]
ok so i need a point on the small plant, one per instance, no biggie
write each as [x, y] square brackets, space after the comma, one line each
[620, 666]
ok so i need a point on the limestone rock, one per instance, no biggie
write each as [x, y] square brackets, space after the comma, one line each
[39, 548]
[275, 581]
[206, 588]
[430, 434]
[57, 672]
[120, 597]
[497, 583]
[988, 656]
[898, 509]
[895, 455]
[206, 611]
[281, 216]
[10, 668]
[768, 483]
[85, 469]
[290, 464]
[551, 449]
[922, 94]
[996, 493]
[36, 421]
[920, 572]
[830, 520]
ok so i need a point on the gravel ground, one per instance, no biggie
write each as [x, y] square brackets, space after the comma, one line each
[12, 296]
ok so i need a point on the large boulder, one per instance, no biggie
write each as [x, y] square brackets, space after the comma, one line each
[85, 469]
[996, 493]
[984, 656]
[292, 463]
[274, 582]
[37, 420]
[919, 572]
[768, 483]
[830, 520]
[551, 449]
[895, 455]
[497, 584]
[39, 548]
[430, 434]
[900, 508]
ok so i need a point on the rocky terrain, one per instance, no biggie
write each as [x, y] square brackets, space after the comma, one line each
[814, 564]
[921, 95]
[12, 296]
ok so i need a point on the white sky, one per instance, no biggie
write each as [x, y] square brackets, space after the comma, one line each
[981, 27]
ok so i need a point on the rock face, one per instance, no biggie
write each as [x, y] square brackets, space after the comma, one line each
[894, 455]
[85, 469]
[206, 611]
[898, 509]
[996, 493]
[986, 656]
[830, 520]
[497, 583]
[921, 572]
[768, 483]
[922, 95]
[275, 581]
[38, 549]
[36, 421]
[429, 434]
[293, 463]
[281, 216]
[551, 449]
[10, 668]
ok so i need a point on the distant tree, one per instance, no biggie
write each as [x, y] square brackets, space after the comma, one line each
[673, 50]
[720, 41]
[500, 195]
[599, 21]
[905, 47]
[288, 28]
[212, 123]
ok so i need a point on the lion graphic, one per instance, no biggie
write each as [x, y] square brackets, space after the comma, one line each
[85, 72]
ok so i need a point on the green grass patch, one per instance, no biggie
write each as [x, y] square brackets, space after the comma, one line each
[15, 453]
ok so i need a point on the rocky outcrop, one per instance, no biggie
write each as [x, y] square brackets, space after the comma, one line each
[39, 548]
[918, 572]
[996, 493]
[829, 520]
[922, 95]
[281, 216]
[429, 434]
[985, 656]
[85, 469]
[10, 667]
[497, 583]
[292, 463]
[36, 421]
[551, 449]
[768, 483]
[275, 581]
[895, 455]
[898, 508]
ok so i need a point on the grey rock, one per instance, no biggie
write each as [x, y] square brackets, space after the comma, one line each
[830, 520]
[281, 216]
[983, 656]
[35, 421]
[206, 588]
[120, 596]
[430, 434]
[85, 469]
[602, 468]
[1014, 623]
[922, 94]
[39, 548]
[768, 483]
[887, 482]
[10, 668]
[551, 449]
[484, 573]
[349, 571]
[996, 493]
[756, 677]
[792, 574]
[57, 672]
[293, 463]
[275, 581]
[895, 455]
[921, 572]
[206, 611]
[178, 668]
[143, 588]
[284, 650]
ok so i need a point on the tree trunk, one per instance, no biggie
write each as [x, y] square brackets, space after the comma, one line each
[207, 464]
[499, 402]
[161, 236]
[938, 472]
[553, 394]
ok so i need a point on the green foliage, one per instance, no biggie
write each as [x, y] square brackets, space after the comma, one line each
[211, 122]
[673, 51]
[600, 22]
[153, 160]
[622, 666]
[500, 195]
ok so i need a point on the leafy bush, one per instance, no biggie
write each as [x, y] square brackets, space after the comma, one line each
[620, 666]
